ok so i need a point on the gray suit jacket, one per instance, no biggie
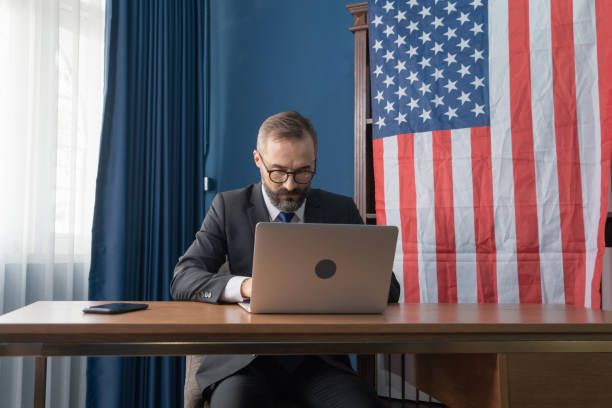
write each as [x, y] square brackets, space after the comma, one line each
[228, 232]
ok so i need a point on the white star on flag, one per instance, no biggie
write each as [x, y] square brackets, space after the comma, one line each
[463, 44]
[465, 97]
[389, 6]
[437, 74]
[400, 92]
[379, 96]
[451, 86]
[450, 33]
[377, 21]
[425, 12]
[437, 22]
[389, 106]
[450, 7]
[451, 113]
[478, 109]
[414, 103]
[424, 88]
[401, 15]
[412, 51]
[477, 82]
[400, 40]
[476, 29]
[425, 62]
[400, 66]
[436, 48]
[425, 37]
[438, 100]
[425, 115]
[463, 18]
[476, 3]
[464, 70]
[401, 117]
[450, 58]
[413, 26]
[389, 81]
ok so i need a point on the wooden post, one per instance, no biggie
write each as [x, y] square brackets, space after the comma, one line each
[360, 31]
[366, 364]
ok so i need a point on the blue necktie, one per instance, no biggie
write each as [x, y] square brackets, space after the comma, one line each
[285, 216]
[289, 363]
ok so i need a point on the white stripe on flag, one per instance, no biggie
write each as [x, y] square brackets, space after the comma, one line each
[589, 130]
[545, 153]
[463, 199]
[392, 204]
[501, 153]
[426, 216]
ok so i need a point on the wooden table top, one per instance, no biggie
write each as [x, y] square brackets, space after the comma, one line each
[53, 318]
[180, 328]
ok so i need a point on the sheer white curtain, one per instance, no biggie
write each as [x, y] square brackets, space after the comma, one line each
[51, 80]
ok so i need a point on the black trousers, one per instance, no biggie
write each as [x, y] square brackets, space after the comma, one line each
[314, 383]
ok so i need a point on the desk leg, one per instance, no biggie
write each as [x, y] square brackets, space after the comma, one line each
[40, 382]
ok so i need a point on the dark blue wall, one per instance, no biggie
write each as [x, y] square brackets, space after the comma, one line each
[269, 56]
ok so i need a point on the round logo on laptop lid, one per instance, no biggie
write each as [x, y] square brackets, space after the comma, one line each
[325, 268]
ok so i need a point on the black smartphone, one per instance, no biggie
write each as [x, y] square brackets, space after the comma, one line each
[115, 308]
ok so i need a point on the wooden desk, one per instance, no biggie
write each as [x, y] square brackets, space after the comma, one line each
[467, 355]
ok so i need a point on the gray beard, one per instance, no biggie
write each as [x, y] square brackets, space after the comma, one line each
[286, 205]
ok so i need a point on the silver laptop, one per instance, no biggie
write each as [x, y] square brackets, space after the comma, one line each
[321, 268]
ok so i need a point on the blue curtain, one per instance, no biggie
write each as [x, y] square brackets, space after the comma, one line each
[149, 198]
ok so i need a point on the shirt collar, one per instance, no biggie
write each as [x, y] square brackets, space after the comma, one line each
[273, 211]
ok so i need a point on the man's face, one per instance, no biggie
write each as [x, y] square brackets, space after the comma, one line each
[288, 155]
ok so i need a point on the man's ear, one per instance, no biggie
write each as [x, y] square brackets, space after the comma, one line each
[256, 158]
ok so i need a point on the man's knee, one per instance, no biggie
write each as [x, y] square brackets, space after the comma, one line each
[338, 389]
[240, 391]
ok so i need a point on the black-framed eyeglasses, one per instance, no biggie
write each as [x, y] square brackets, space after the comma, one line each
[280, 176]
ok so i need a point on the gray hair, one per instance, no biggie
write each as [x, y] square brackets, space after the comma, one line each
[287, 125]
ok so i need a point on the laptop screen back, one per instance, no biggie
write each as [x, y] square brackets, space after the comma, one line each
[322, 268]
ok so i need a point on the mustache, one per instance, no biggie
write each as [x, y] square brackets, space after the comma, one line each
[283, 190]
[287, 204]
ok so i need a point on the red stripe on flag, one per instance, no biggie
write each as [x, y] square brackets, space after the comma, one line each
[568, 152]
[408, 215]
[484, 217]
[379, 181]
[603, 11]
[525, 201]
[445, 217]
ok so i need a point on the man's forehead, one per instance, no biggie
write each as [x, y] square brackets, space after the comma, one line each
[289, 159]
[289, 146]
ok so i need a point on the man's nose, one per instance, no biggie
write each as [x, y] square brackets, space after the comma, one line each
[290, 183]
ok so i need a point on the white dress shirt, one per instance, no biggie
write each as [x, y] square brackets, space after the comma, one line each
[231, 293]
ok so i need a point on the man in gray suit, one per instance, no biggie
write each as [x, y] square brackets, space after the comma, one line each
[286, 157]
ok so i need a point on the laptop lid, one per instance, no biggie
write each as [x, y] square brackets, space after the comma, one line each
[322, 268]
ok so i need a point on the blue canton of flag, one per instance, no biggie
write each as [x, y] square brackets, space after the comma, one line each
[429, 65]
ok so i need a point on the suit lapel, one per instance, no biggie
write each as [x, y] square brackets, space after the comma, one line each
[312, 212]
[257, 210]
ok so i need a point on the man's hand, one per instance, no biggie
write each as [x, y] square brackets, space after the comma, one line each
[245, 288]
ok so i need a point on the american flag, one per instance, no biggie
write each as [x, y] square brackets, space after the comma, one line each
[491, 145]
